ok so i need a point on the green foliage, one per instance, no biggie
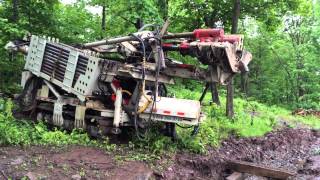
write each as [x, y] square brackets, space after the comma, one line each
[155, 142]
[311, 121]
[191, 14]
[14, 132]
[9, 64]
[76, 24]
[284, 68]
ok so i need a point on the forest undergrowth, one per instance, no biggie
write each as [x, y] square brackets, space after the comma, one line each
[251, 119]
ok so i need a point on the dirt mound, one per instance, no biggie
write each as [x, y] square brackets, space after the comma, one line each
[287, 149]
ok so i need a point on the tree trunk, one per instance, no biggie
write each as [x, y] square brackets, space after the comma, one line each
[163, 5]
[244, 83]
[139, 23]
[103, 21]
[230, 88]
[236, 14]
[235, 17]
[15, 11]
[214, 93]
[300, 77]
[165, 9]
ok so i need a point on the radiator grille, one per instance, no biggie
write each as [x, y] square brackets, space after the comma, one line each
[80, 68]
[55, 61]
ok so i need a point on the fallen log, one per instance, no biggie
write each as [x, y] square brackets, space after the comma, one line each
[306, 112]
[235, 176]
[259, 170]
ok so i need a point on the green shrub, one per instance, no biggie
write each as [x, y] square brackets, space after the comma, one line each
[26, 133]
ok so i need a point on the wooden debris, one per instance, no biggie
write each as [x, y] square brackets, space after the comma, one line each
[306, 112]
[255, 169]
[235, 176]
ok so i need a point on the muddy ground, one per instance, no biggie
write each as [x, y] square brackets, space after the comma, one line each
[296, 150]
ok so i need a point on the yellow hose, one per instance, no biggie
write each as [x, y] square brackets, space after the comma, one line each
[127, 92]
[145, 106]
[149, 101]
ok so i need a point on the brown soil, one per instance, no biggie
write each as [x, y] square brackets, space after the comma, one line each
[67, 163]
[296, 150]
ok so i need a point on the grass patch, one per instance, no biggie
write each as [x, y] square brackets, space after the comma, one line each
[309, 121]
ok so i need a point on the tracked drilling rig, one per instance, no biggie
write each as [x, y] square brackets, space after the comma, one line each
[106, 85]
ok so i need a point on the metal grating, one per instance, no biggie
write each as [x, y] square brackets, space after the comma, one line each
[55, 62]
[81, 68]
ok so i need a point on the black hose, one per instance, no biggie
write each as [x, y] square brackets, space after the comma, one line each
[195, 130]
[144, 54]
[142, 43]
[184, 127]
